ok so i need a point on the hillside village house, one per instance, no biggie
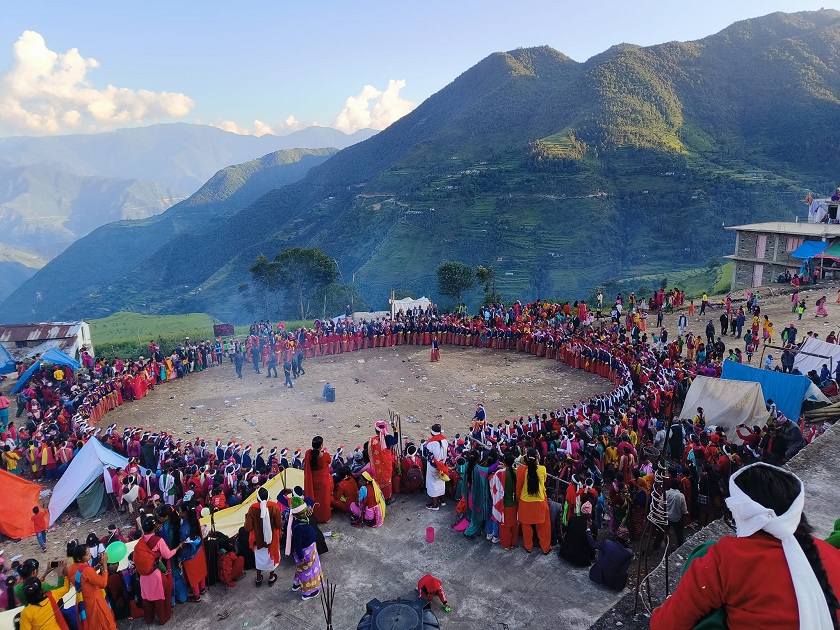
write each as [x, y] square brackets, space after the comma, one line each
[763, 251]
[24, 341]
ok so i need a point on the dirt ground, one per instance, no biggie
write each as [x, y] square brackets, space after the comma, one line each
[261, 411]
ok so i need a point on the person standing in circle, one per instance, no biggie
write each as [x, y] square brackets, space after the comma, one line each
[437, 448]
[317, 480]
[533, 503]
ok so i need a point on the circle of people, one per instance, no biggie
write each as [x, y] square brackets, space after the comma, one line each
[555, 478]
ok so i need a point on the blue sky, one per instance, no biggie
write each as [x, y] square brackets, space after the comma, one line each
[232, 64]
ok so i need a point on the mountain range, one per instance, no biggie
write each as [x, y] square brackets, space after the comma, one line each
[54, 190]
[562, 175]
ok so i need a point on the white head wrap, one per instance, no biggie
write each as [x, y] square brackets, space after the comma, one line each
[264, 516]
[750, 517]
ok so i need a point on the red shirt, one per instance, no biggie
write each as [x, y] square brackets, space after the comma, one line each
[39, 521]
[430, 583]
[749, 577]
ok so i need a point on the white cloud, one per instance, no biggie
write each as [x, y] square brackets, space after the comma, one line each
[48, 92]
[373, 109]
[260, 128]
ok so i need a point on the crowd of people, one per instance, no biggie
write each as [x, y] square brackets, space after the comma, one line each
[579, 478]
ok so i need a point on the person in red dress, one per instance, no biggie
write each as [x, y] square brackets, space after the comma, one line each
[773, 574]
[317, 480]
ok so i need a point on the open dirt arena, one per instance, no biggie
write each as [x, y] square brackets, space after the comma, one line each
[261, 411]
[215, 404]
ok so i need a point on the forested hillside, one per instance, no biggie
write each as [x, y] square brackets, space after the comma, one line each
[562, 175]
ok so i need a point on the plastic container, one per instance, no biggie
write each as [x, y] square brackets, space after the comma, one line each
[430, 534]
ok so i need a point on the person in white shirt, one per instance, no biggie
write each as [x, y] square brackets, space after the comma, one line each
[677, 509]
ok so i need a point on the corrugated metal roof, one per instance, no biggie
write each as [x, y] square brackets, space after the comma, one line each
[10, 333]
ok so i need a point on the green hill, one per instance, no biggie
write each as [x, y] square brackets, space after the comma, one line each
[562, 175]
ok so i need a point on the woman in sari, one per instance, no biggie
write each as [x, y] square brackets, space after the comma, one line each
[193, 560]
[317, 480]
[382, 457]
[301, 545]
[821, 310]
[370, 507]
[92, 609]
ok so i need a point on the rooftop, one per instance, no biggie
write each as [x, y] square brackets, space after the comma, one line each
[817, 230]
[38, 332]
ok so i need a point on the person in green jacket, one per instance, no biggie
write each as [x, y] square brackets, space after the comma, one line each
[30, 568]
[834, 537]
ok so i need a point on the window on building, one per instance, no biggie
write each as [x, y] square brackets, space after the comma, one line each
[20, 344]
[792, 243]
[760, 246]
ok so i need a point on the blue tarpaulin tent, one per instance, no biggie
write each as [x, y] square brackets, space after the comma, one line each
[52, 355]
[809, 249]
[786, 390]
[7, 363]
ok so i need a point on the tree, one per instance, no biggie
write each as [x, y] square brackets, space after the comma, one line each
[303, 273]
[454, 277]
[244, 291]
[266, 275]
[487, 277]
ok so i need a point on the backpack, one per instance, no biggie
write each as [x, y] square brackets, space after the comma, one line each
[413, 479]
[145, 560]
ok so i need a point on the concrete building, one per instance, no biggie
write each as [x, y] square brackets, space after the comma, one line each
[763, 251]
[24, 341]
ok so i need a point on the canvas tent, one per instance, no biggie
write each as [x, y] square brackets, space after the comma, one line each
[406, 304]
[811, 356]
[85, 468]
[56, 357]
[725, 403]
[787, 390]
[19, 497]
[7, 363]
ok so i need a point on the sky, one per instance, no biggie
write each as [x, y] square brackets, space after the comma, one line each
[276, 66]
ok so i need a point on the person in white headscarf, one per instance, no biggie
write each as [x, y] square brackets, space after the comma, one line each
[772, 574]
[263, 522]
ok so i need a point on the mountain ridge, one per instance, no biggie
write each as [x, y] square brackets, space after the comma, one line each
[562, 174]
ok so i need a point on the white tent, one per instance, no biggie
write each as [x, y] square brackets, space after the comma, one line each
[88, 465]
[725, 403]
[805, 362]
[406, 304]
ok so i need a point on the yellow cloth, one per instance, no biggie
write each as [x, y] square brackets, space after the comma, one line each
[540, 496]
[377, 493]
[41, 616]
[11, 458]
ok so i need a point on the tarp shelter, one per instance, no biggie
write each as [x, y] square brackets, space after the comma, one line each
[805, 363]
[725, 403]
[85, 468]
[7, 363]
[19, 497]
[832, 251]
[809, 249]
[787, 390]
[56, 357]
[231, 519]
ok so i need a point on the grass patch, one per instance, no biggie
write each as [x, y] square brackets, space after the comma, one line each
[128, 335]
